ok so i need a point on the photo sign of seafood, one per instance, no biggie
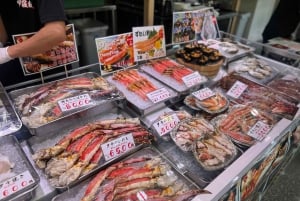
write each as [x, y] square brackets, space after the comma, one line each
[115, 52]
[148, 42]
[194, 25]
[60, 55]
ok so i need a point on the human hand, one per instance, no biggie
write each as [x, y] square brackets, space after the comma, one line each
[4, 57]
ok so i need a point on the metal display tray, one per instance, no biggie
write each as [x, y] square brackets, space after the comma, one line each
[242, 49]
[180, 88]
[141, 106]
[277, 67]
[9, 119]
[36, 143]
[77, 192]
[70, 118]
[10, 147]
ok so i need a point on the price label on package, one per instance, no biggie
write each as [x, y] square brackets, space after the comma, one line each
[237, 89]
[166, 124]
[259, 130]
[159, 95]
[192, 79]
[118, 146]
[204, 93]
[15, 184]
[74, 102]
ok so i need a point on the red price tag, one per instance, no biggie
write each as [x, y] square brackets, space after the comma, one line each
[117, 147]
[259, 130]
[204, 93]
[74, 102]
[237, 89]
[166, 124]
[192, 79]
[159, 95]
[15, 184]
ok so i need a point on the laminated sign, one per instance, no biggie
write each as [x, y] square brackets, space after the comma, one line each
[115, 52]
[60, 55]
[194, 25]
[148, 42]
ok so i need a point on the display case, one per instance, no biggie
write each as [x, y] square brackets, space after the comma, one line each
[233, 170]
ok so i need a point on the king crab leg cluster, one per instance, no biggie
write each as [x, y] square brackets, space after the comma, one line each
[80, 151]
[144, 176]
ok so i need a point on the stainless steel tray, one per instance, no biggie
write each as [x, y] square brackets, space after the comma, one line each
[180, 88]
[78, 191]
[241, 49]
[9, 119]
[37, 143]
[274, 66]
[143, 106]
[70, 117]
[10, 147]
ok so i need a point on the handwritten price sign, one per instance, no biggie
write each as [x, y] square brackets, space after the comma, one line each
[159, 95]
[118, 146]
[204, 93]
[166, 124]
[15, 184]
[192, 79]
[74, 102]
[237, 89]
[259, 130]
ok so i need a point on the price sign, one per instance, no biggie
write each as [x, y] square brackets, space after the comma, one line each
[118, 146]
[237, 89]
[74, 102]
[192, 79]
[259, 130]
[15, 184]
[204, 93]
[166, 124]
[159, 95]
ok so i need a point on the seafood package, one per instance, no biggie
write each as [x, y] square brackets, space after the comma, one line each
[173, 74]
[214, 151]
[187, 131]
[230, 49]
[205, 99]
[145, 175]
[140, 89]
[244, 124]
[9, 120]
[207, 61]
[88, 148]
[41, 105]
[17, 176]
[166, 122]
[253, 68]
[287, 84]
[247, 92]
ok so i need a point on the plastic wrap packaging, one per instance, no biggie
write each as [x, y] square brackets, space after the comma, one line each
[44, 107]
[9, 120]
[17, 176]
[145, 175]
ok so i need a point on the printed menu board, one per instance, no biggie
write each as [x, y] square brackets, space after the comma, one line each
[194, 25]
[60, 55]
[148, 42]
[115, 52]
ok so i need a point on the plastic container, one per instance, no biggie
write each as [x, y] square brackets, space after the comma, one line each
[89, 29]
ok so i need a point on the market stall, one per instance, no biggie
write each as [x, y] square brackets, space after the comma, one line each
[204, 120]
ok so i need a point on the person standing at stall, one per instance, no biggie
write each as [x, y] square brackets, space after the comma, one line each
[45, 17]
[283, 21]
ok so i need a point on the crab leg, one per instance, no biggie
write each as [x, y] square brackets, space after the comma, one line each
[74, 172]
[93, 186]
